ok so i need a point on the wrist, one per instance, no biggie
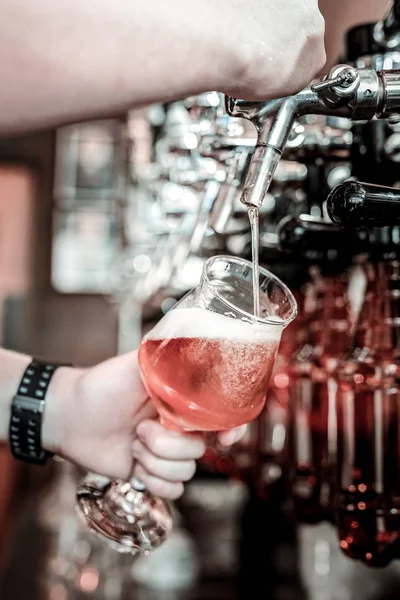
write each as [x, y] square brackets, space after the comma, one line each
[59, 403]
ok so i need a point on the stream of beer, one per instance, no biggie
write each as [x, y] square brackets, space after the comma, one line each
[255, 240]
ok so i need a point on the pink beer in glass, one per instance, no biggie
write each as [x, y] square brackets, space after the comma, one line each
[206, 366]
[207, 363]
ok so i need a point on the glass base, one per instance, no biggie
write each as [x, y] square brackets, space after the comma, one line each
[130, 520]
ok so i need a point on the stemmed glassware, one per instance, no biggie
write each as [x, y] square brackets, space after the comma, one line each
[206, 366]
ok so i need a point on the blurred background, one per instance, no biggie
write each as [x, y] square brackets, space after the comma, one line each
[105, 225]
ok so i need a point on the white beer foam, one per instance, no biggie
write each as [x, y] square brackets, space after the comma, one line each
[203, 323]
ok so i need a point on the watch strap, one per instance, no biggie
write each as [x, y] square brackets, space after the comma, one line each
[27, 413]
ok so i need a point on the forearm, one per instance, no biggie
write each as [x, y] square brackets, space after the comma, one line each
[72, 60]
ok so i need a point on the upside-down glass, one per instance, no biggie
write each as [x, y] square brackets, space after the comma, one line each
[206, 366]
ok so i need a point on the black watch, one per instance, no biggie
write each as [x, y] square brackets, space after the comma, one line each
[27, 413]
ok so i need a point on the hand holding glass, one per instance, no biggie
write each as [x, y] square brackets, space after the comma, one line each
[206, 366]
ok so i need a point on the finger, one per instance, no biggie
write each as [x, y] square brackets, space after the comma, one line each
[230, 437]
[171, 470]
[170, 445]
[159, 487]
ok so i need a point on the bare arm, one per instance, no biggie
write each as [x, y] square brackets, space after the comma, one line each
[72, 60]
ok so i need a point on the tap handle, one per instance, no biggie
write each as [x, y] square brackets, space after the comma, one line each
[346, 81]
[354, 204]
[340, 85]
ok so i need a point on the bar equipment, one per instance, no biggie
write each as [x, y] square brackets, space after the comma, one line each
[188, 200]
[357, 94]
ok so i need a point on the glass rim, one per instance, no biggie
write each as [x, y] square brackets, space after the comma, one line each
[262, 271]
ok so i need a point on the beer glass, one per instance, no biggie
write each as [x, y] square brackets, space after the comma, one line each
[206, 366]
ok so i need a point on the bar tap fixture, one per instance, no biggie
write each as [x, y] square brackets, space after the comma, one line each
[357, 94]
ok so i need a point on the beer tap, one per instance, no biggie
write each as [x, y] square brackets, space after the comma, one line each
[357, 94]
